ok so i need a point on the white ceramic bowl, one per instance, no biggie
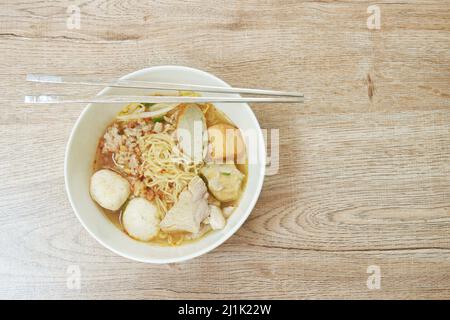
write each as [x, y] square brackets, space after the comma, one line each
[78, 168]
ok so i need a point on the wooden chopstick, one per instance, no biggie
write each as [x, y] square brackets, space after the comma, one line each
[155, 85]
[55, 99]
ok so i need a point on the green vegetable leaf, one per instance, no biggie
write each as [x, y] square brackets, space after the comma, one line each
[158, 119]
[226, 173]
[147, 105]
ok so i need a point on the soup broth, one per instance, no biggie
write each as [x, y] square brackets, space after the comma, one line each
[127, 149]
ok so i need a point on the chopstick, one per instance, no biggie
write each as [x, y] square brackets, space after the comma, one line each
[55, 99]
[42, 78]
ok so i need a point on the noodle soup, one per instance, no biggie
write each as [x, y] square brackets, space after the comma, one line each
[161, 186]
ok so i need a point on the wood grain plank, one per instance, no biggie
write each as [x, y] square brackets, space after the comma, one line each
[364, 163]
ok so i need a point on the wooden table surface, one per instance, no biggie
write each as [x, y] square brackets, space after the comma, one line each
[364, 173]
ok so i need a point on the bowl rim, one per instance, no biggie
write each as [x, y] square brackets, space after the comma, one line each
[213, 245]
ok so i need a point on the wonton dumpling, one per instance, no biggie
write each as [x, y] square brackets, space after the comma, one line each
[227, 211]
[224, 181]
[109, 189]
[189, 211]
[216, 219]
[140, 219]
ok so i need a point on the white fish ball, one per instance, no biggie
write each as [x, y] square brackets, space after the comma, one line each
[109, 189]
[141, 219]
